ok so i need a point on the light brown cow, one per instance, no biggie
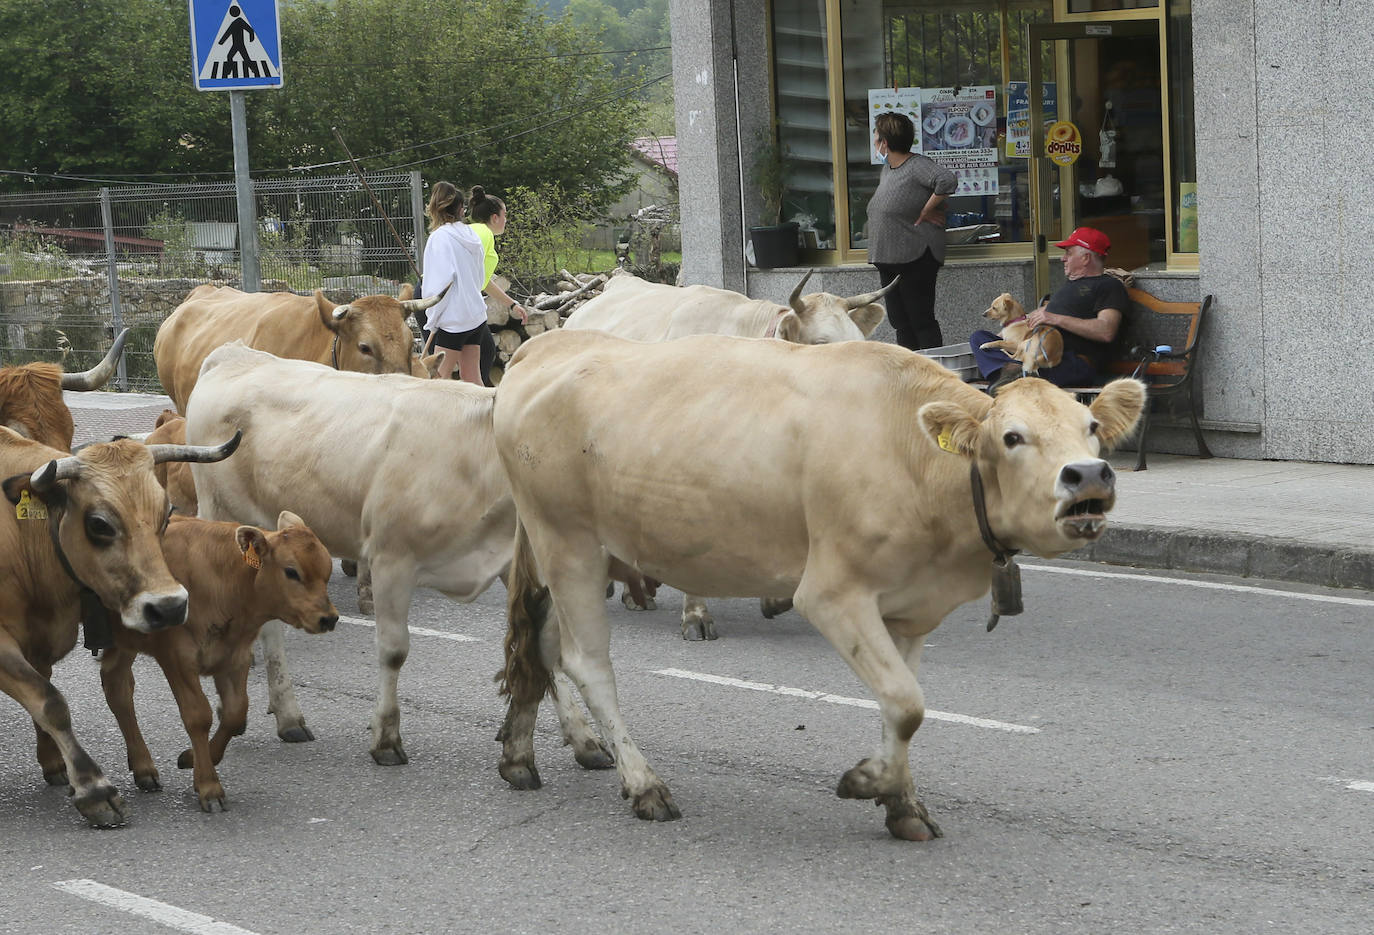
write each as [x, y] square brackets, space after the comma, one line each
[645, 311]
[175, 477]
[238, 577]
[369, 335]
[849, 480]
[92, 523]
[31, 396]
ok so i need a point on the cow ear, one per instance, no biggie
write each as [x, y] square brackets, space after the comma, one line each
[287, 519]
[16, 486]
[867, 317]
[790, 328]
[406, 294]
[950, 427]
[1117, 409]
[251, 537]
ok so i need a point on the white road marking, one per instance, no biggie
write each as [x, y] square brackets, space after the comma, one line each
[1208, 585]
[159, 912]
[1361, 786]
[841, 700]
[421, 631]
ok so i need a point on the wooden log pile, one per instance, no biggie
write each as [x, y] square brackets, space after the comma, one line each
[547, 311]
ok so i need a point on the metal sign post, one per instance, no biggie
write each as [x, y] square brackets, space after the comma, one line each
[236, 46]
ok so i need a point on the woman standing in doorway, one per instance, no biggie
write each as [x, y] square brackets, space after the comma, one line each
[488, 215]
[906, 230]
[453, 261]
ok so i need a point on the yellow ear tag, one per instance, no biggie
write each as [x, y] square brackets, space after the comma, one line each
[250, 558]
[946, 440]
[30, 507]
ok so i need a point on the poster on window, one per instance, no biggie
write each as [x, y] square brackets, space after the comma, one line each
[1018, 115]
[958, 129]
[886, 100]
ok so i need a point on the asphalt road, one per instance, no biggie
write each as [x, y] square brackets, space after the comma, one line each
[1134, 754]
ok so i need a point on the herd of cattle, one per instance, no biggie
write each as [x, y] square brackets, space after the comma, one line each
[769, 451]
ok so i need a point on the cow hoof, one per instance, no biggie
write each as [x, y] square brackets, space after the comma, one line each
[103, 807]
[656, 805]
[597, 757]
[913, 828]
[212, 800]
[521, 776]
[630, 603]
[298, 734]
[348, 567]
[148, 782]
[390, 756]
[187, 759]
[610, 590]
[858, 782]
[56, 777]
[365, 603]
[771, 607]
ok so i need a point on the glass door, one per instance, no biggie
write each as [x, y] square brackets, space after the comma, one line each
[1102, 160]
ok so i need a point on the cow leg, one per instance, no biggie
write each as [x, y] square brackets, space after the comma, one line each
[49, 757]
[588, 749]
[585, 638]
[697, 622]
[852, 624]
[395, 583]
[197, 717]
[633, 601]
[281, 694]
[117, 678]
[366, 603]
[232, 688]
[94, 796]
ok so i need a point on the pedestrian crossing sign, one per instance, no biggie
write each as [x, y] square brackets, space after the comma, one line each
[235, 44]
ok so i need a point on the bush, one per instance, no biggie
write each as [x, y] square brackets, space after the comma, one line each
[544, 234]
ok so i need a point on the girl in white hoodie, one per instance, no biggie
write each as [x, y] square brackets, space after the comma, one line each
[453, 261]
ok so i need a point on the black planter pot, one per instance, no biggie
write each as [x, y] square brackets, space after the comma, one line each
[775, 246]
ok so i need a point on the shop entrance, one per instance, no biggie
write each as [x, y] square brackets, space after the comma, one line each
[1106, 166]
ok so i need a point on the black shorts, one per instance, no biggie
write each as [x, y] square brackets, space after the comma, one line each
[456, 341]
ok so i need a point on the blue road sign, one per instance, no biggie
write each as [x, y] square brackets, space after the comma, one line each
[235, 45]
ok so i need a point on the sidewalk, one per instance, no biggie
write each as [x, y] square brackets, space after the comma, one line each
[1284, 520]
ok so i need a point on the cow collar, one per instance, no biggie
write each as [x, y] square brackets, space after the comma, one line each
[334, 352]
[95, 619]
[772, 331]
[1006, 576]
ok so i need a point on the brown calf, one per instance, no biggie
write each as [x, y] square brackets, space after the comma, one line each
[175, 476]
[238, 577]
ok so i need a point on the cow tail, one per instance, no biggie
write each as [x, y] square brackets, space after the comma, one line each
[525, 678]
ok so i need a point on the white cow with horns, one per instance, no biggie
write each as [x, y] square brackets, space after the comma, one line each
[848, 480]
[645, 311]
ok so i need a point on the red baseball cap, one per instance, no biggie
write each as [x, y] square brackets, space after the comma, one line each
[1089, 237]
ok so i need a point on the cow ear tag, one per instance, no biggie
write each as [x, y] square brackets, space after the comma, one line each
[946, 440]
[250, 557]
[1006, 589]
[30, 507]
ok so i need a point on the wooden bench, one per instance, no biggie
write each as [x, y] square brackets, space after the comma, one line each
[1151, 326]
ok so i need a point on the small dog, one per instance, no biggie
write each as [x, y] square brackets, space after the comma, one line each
[1035, 348]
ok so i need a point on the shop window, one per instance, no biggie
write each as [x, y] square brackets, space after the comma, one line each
[932, 45]
[1182, 129]
[803, 118]
[1109, 6]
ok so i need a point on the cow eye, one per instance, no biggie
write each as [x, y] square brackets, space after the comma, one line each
[366, 349]
[99, 530]
[1012, 439]
[292, 574]
[1092, 428]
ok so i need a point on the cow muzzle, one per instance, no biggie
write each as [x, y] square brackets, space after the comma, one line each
[1086, 491]
[148, 613]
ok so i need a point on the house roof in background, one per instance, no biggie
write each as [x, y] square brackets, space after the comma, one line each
[660, 151]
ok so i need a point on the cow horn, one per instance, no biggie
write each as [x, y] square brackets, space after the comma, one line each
[54, 471]
[794, 299]
[205, 454]
[340, 311]
[868, 298]
[100, 374]
[419, 305]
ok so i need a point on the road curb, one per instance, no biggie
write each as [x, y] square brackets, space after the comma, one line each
[1229, 553]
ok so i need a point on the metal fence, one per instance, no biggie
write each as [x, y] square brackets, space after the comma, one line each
[77, 265]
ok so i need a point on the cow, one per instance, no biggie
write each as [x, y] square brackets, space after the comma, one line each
[645, 311]
[84, 535]
[369, 335]
[238, 578]
[31, 396]
[852, 479]
[175, 477]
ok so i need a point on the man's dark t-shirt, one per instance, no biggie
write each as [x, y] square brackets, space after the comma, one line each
[1084, 298]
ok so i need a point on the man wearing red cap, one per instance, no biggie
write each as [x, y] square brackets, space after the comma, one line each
[1087, 310]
